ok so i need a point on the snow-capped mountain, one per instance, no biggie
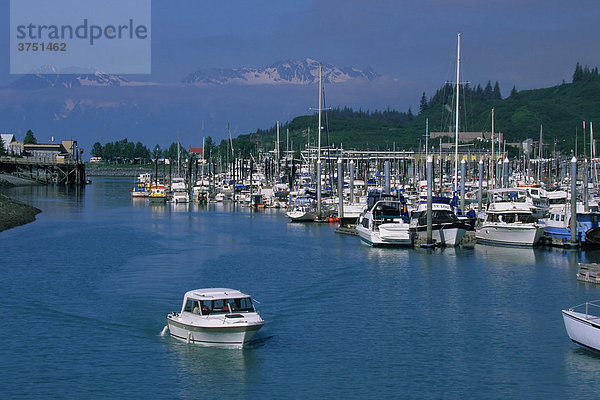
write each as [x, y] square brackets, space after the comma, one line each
[49, 80]
[287, 72]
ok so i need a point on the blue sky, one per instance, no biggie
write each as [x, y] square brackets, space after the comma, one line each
[529, 44]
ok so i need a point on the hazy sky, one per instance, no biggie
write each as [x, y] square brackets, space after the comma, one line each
[528, 43]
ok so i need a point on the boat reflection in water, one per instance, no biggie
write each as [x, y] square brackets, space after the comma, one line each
[212, 369]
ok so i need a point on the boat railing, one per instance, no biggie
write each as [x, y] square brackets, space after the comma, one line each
[589, 306]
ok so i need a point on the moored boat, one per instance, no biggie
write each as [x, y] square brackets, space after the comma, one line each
[304, 210]
[447, 229]
[384, 222]
[510, 220]
[583, 324]
[157, 193]
[215, 317]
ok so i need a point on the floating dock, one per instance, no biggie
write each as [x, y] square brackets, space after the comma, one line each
[589, 273]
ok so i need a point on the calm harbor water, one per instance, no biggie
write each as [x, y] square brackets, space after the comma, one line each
[86, 289]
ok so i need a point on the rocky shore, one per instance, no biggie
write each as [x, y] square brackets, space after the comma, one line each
[14, 213]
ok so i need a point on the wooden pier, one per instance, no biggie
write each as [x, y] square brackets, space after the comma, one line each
[45, 171]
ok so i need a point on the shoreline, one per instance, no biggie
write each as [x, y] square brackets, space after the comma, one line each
[14, 213]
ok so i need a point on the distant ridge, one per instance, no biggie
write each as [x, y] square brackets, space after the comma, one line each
[296, 72]
[53, 80]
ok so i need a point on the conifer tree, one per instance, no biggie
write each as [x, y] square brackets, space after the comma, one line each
[513, 92]
[496, 93]
[423, 105]
[578, 74]
[487, 92]
[29, 138]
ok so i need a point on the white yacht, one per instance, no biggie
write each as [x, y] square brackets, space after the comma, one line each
[510, 220]
[583, 324]
[384, 223]
[215, 316]
[179, 191]
[446, 228]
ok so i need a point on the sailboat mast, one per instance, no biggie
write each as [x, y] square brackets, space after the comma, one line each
[319, 149]
[320, 100]
[493, 163]
[456, 119]
[539, 177]
[277, 146]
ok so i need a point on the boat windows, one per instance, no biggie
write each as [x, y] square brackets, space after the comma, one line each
[206, 307]
[191, 305]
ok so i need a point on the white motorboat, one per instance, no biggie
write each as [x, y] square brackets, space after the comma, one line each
[384, 223]
[215, 316]
[510, 220]
[582, 324]
[179, 191]
[446, 228]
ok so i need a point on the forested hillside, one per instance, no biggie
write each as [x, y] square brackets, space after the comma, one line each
[560, 110]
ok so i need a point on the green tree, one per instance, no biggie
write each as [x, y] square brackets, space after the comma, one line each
[513, 93]
[496, 92]
[96, 150]
[29, 138]
[209, 147]
[578, 74]
[141, 151]
[3, 151]
[108, 151]
[488, 93]
[423, 106]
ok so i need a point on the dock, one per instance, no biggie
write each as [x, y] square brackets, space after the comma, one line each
[589, 273]
[346, 230]
[45, 171]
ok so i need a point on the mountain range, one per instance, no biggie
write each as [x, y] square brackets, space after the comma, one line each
[302, 72]
[103, 108]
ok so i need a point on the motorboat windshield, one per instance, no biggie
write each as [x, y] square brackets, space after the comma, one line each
[218, 306]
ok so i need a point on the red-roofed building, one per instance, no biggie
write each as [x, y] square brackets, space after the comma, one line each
[196, 150]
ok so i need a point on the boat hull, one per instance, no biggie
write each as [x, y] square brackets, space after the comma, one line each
[218, 334]
[582, 329]
[444, 236]
[513, 235]
[385, 236]
[301, 216]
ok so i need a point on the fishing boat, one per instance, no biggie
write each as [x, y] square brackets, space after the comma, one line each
[510, 220]
[384, 222]
[558, 223]
[157, 193]
[215, 317]
[446, 228]
[583, 324]
[142, 186]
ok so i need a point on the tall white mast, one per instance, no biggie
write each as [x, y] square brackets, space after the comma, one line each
[456, 119]
[277, 146]
[493, 163]
[540, 154]
[320, 94]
